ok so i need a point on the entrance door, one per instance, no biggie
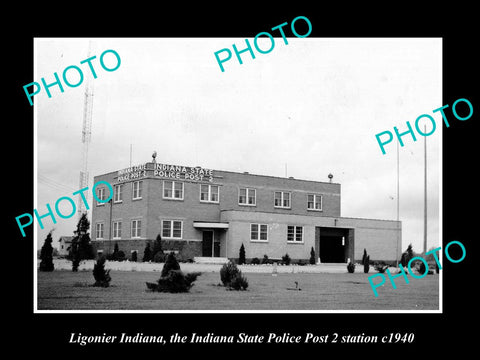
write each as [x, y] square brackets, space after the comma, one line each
[332, 249]
[207, 243]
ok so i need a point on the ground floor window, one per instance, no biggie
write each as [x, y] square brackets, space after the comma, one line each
[258, 232]
[294, 233]
[99, 229]
[136, 228]
[172, 229]
[117, 229]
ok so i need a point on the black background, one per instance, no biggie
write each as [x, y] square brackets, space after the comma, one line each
[434, 333]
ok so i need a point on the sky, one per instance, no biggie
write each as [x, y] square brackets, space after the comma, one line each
[305, 109]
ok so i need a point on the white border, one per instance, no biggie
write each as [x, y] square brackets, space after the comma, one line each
[358, 311]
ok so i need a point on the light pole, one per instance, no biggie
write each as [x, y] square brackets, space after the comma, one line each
[110, 226]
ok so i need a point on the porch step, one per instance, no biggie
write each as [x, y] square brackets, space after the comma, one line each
[210, 260]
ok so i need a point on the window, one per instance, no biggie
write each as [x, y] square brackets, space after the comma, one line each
[99, 229]
[118, 191]
[137, 190]
[247, 196]
[173, 190]
[172, 229]
[258, 232]
[101, 196]
[209, 193]
[136, 228]
[314, 202]
[117, 229]
[295, 234]
[282, 199]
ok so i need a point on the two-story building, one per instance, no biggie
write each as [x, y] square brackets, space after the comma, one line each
[210, 213]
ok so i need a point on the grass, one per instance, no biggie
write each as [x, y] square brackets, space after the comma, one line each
[66, 290]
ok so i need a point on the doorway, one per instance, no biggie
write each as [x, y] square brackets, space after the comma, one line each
[335, 244]
[210, 247]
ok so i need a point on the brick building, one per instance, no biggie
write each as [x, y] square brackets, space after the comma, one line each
[209, 213]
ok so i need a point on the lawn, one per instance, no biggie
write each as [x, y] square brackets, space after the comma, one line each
[66, 290]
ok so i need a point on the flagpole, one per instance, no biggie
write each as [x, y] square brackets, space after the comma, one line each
[425, 198]
[398, 202]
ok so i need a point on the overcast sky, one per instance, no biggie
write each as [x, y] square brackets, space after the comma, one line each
[312, 107]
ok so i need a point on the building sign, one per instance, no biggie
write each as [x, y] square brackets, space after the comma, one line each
[165, 171]
[132, 173]
[183, 172]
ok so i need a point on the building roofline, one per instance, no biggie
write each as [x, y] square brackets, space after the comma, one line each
[325, 217]
[244, 173]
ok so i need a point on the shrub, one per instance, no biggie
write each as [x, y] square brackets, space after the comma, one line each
[228, 272]
[241, 255]
[422, 268]
[102, 276]
[312, 257]
[134, 256]
[159, 257]
[265, 259]
[302, 262]
[171, 263]
[120, 256]
[172, 279]
[366, 264]
[406, 256]
[147, 253]
[364, 256]
[239, 282]
[255, 261]
[380, 266]
[286, 259]
[157, 246]
[175, 281]
[351, 267]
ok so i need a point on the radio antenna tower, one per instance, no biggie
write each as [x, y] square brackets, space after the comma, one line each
[86, 135]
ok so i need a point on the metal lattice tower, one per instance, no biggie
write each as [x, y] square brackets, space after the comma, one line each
[86, 136]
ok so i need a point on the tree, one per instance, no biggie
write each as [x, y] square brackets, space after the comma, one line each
[81, 248]
[241, 255]
[312, 256]
[157, 246]
[147, 253]
[46, 254]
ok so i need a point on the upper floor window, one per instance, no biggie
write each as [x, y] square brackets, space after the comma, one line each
[282, 199]
[172, 190]
[209, 193]
[101, 195]
[314, 202]
[118, 193]
[137, 190]
[247, 196]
